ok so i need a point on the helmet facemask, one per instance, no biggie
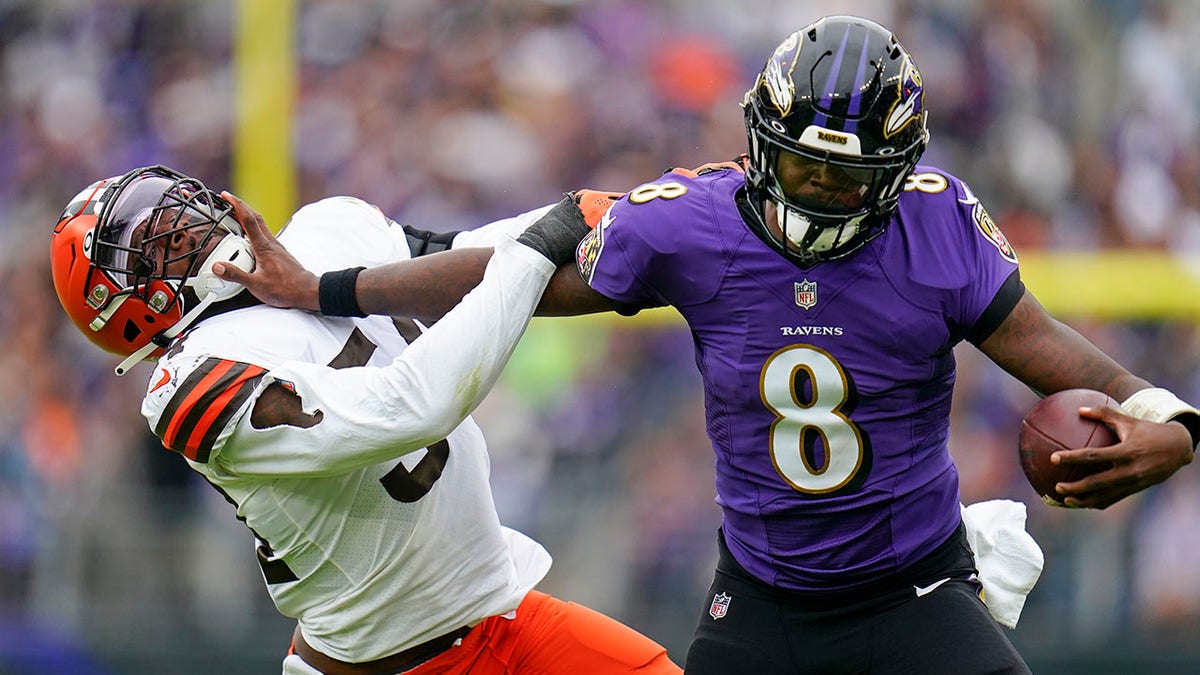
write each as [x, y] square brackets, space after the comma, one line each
[835, 124]
[154, 230]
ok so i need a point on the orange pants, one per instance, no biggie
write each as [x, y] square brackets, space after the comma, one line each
[550, 636]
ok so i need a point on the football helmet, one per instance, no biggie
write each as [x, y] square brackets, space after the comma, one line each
[126, 258]
[835, 122]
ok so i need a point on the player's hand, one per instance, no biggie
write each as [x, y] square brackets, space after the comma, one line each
[278, 278]
[593, 204]
[1147, 454]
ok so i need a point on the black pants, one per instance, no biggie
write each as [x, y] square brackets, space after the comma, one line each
[887, 629]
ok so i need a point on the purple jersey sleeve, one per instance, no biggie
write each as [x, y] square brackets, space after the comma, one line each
[954, 246]
[641, 255]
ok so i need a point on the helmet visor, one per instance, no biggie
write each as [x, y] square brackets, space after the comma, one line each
[150, 206]
[122, 229]
[826, 187]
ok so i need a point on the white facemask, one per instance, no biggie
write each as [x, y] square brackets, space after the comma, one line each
[795, 226]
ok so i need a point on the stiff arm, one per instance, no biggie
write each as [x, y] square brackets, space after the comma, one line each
[424, 288]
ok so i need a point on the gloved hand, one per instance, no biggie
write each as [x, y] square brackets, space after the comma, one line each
[593, 204]
[557, 234]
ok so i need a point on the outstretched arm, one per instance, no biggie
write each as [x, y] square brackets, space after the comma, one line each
[424, 288]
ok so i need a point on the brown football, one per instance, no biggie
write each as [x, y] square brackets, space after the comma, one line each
[1054, 424]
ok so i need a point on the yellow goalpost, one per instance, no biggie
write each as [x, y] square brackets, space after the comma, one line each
[264, 62]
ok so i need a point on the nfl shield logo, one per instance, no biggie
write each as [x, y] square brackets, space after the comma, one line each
[719, 606]
[806, 293]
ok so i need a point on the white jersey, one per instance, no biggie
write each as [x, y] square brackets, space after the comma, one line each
[375, 522]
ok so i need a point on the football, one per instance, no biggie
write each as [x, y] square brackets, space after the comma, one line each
[1054, 424]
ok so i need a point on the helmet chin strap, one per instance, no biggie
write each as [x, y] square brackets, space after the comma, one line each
[233, 249]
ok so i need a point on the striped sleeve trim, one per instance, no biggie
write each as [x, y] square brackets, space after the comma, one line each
[204, 403]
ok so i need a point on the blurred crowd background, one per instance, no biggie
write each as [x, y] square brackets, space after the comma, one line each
[1076, 123]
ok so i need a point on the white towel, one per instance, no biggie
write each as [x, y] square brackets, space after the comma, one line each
[1008, 559]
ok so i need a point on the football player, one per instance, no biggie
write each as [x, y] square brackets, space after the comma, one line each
[826, 278]
[344, 444]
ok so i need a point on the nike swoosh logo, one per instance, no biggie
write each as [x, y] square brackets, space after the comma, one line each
[971, 199]
[162, 381]
[926, 590]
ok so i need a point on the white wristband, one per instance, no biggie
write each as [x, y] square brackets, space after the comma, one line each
[1156, 405]
[1160, 405]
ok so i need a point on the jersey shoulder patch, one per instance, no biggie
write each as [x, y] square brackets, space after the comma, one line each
[588, 252]
[991, 232]
[984, 224]
[196, 401]
[948, 193]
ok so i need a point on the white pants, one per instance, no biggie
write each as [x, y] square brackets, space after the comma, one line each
[294, 665]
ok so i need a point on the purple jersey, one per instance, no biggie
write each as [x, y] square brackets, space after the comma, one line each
[827, 390]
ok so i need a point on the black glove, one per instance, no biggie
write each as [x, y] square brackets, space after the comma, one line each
[557, 234]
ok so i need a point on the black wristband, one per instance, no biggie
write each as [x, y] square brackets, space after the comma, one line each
[336, 293]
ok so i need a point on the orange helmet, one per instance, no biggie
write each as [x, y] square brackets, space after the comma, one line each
[106, 255]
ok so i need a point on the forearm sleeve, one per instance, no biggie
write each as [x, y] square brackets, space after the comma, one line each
[373, 414]
[488, 235]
